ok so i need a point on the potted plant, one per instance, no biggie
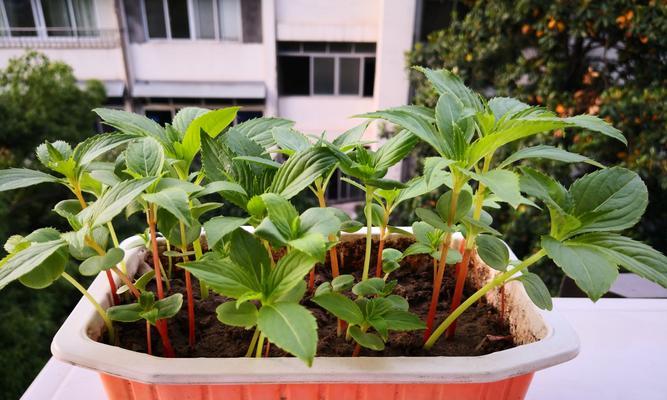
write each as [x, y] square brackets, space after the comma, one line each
[233, 298]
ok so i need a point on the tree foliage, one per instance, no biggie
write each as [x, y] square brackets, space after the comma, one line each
[40, 100]
[607, 58]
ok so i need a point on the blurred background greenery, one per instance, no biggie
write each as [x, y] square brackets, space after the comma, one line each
[601, 57]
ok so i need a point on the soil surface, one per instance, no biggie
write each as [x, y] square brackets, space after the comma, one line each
[479, 330]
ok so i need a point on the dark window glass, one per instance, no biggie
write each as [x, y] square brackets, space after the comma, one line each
[243, 116]
[294, 75]
[364, 47]
[340, 47]
[323, 75]
[20, 18]
[56, 17]
[155, 19]
[369, 76]
[314, 47]
[178, 19]
[289, 46]
[160, 116]
[348, 79]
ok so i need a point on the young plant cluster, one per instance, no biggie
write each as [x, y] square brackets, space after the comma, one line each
[265, 272]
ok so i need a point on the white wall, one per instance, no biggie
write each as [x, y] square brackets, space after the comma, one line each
[197, 60]
[314, 114]
[328, 20]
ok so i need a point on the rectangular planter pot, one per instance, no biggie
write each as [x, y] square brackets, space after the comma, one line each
[545, 340]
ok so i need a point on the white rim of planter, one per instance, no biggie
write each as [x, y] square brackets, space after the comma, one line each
[72, 344]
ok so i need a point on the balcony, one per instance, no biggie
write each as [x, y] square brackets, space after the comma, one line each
[59, 38]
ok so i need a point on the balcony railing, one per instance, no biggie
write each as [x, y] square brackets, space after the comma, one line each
[57, 38]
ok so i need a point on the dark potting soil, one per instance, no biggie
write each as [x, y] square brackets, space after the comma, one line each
[479, 330]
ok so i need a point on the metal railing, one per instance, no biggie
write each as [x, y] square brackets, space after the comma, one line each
[66, 38]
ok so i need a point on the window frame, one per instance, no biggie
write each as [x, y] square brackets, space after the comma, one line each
[192, 24]
[41, 30]
[337, 56]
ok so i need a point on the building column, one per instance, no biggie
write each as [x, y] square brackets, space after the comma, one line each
[395, 38]
[270, 62]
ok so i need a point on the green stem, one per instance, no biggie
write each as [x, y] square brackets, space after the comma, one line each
[253, 343]
[98, 307]
[369, 226]
[116, 243]
[497, 281]
[260, 345]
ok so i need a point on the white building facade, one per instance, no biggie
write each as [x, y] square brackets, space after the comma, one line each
[316, 62]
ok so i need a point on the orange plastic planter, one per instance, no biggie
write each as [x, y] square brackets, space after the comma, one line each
[506, 389]
[544, 340]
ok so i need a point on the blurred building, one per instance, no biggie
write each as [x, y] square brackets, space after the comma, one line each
[317, 62]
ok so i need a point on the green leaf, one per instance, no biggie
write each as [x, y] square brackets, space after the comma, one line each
[367, 340]
[16, 178]
[295, 294]
[398, 320]
[140, 283]
[319, 220]
[591, 269]
[289, 139]
[258, 160]
[25, 261]
[445, 81]
[340, 306]
[505, 107]
[596, 124]
[536, 290]
[94, 265]
[96, 146]
[312, 244]
[113, 201]
[225, 277]
[251, 254]
[431, 218]
[301, 170]
[281, 213]
[145, 157]
[125, 312]
[397, 302]
[245, 315]
[369, 287]
[169, 306]
[291, 327]
[173, 200]
[218, 227]
[288, 272]
[632, 255]
[549, 153]
[493, 252]
[394, 150]
[342, 282]
[463, 204]
[260, 130]
[611, 199]
[351, 137]
[545, 188]
[504, 184]
[133, 124]
[186, 115]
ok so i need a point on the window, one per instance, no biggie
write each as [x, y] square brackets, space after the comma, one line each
[320, 68]
[196, 19]
[51, 18]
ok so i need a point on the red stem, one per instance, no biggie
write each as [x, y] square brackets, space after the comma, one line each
[357, 350]
[191, 310]
[114, 296]
[311, 280]
[458, 289]
[268, 347]
[149, 344]
[161, 325]
[437, 283]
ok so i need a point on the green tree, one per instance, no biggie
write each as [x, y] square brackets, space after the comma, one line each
[600, 57]
[39, 100]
